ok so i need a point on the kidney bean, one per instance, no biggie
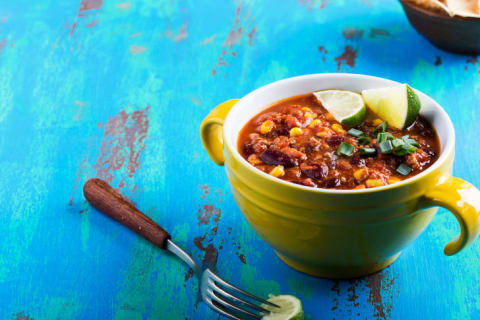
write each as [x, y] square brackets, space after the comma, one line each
[334, 141]
[247, 149]
[275, 157]
[356, 160]
[314, 170]
[278, 132]
[282, 132]
[332, 183]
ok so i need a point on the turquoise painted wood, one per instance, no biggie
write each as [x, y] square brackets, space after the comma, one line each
[117, 89]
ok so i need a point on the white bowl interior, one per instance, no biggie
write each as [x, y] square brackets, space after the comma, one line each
[258, 100]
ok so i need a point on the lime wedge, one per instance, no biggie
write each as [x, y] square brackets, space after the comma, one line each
[398, 105]
[347, 107]
[290, 308]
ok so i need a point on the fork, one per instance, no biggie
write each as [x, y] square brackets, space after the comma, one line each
[218, 294]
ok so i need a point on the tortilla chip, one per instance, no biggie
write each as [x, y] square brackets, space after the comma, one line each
[434, 5]
[464, 8]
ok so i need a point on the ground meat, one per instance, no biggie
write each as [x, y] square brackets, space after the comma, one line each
[295, 172]
[259, 147]
[331, 159]
[292, 122]
[344, 164]
[417, 160]
[293, 153]
[281, 142]
[305, 182]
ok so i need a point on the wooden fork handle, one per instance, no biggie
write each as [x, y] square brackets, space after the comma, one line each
[105, 199]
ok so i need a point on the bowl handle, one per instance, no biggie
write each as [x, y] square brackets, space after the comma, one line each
[211, 131]
[463, 200]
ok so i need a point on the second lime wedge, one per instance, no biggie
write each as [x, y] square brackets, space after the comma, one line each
[398, 105]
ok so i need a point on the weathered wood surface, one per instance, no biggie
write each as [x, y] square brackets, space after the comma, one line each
[117, 89]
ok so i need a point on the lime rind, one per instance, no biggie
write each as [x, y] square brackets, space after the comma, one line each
[414, 106]
[356, 119]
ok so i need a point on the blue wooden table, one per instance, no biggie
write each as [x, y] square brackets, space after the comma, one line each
[117, 89]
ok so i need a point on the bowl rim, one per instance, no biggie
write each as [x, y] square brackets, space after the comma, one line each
[434, 14]
[445, 152]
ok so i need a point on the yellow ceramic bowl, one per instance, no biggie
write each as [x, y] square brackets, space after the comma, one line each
[339, 233]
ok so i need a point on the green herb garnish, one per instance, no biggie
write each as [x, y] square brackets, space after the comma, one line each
[364, 140]
[355, 133]
[411, 141]
[404, 169]
[384, 136]
[345, 149]
[405, 149]
[382, 127]
[386, 147]
[368, 152]
[397, 143]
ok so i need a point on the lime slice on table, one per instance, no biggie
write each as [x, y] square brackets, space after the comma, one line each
[290, 308]
[398, 105]
[347, 107]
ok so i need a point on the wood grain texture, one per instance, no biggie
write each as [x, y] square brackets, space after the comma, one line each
[108, 201]
[117, 89]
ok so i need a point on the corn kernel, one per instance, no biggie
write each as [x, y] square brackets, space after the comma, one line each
[254, 159]
[330, 116]
[323, 134]
[371, 183]
[277, 171]
[296, 132]
[267, 126]
[360, 186]
[309, 115]
[377, 122]
[361, 174]
[315, 123]
[306, 109]
[338, 128]
[393, 180]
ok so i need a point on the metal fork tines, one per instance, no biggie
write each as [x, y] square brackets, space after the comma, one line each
[226, 298]
[221, 295]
